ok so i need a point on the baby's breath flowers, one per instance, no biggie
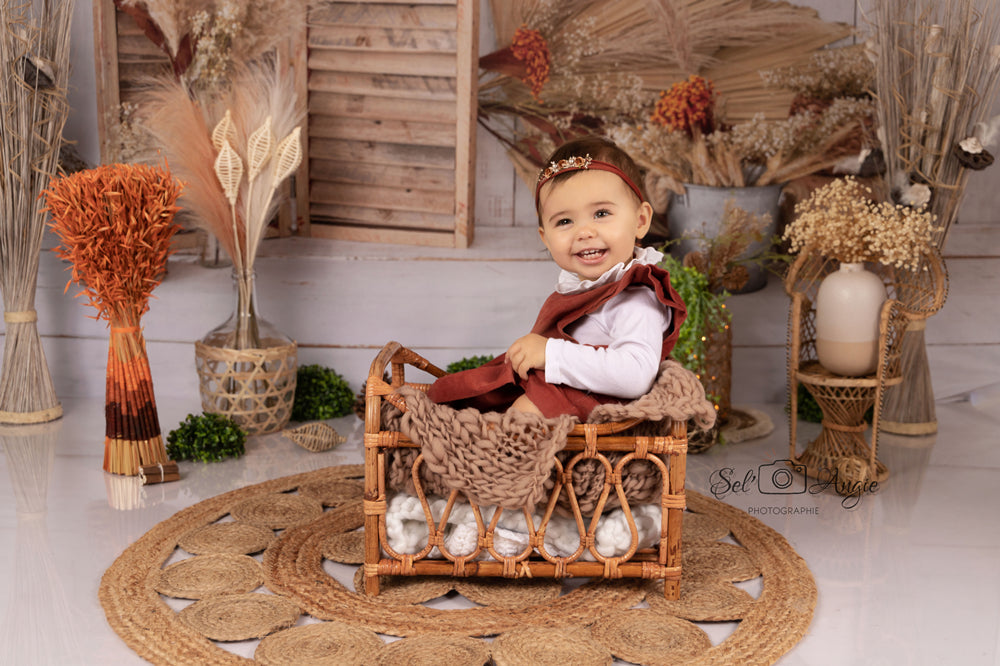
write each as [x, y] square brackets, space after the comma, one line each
[841, 221]
[830, 74]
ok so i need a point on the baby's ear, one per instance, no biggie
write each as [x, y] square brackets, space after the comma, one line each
[645, 219]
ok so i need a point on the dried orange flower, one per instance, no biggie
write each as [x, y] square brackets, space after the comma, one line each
[115, 223]
[530, 47]
[687, 106]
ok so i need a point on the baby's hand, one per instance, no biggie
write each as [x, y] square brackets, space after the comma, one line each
[527, 353]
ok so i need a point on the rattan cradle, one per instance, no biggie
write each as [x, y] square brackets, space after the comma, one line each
[667, 453]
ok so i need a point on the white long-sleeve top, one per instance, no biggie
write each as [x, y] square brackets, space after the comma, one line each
[631, 324]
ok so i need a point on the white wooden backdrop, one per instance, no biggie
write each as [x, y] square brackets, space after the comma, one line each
[501, 200]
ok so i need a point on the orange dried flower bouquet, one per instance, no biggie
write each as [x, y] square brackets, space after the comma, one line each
[689, 107]
[115, 223]
[527, 58]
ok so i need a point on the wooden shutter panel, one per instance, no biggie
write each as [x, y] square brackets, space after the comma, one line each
[392, 103]
[391, 92]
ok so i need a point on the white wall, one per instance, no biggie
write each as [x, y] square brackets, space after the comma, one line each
[81, 126]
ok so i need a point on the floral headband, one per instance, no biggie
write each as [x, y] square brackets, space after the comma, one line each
[581, 164]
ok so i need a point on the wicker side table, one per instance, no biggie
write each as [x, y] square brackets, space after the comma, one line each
[842, 441]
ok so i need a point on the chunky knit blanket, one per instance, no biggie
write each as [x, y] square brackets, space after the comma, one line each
[506, 459]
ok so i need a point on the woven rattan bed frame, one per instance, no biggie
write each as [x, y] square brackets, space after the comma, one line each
[667, 453]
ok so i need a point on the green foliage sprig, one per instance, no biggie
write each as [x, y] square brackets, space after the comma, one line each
[468, 363]
[706, 311]
[320, 393]
[208, 438]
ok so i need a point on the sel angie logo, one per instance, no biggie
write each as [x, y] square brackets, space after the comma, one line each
[785, 477]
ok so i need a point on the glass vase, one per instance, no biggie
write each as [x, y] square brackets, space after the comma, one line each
[246, 366]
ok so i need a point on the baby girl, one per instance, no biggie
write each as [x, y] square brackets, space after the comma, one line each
[614, 316]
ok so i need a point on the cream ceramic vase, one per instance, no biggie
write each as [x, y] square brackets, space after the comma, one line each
[848, 306]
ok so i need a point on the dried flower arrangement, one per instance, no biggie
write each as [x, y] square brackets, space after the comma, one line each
[115, 223]
[229, 152]
[829, 74]
[206, 41]
[34, 52]
[594, 64]
[937, 70]
[688, 141]
[706, 277]
[841, 221]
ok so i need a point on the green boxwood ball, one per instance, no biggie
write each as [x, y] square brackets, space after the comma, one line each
[320, 393]
[468, 363]
[207, 437]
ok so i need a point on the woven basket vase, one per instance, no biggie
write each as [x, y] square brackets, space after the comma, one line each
[254, 387]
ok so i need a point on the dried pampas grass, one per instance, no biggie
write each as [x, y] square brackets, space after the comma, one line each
[233, 151]
[34, 52]
[191, 132]
[179, 126]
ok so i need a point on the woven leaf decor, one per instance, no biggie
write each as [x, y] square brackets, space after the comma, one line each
[315, 436]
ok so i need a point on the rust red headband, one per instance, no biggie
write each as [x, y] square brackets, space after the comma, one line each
[581, 164]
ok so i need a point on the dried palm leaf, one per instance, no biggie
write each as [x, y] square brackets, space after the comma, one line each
[289, 155]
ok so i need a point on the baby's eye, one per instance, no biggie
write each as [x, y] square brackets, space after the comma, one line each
[603, 212]
[563, 222]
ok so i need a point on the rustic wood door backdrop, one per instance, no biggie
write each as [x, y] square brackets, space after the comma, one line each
[391, 92]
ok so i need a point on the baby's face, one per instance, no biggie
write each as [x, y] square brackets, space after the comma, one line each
[590, 222]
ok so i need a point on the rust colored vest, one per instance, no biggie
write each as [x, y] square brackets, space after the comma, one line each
[494, 386]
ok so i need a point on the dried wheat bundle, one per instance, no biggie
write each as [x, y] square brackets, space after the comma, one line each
[34, 53]
[234, 152]
[937, 68]
[115, 223]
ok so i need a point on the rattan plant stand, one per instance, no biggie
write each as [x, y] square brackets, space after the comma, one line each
[585, 441]
[842, 453]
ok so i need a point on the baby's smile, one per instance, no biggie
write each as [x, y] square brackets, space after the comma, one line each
[592, 254]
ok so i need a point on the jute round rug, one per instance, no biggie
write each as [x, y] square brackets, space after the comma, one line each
[218, 551]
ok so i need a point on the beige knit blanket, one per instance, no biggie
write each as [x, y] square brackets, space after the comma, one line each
[506, 459]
